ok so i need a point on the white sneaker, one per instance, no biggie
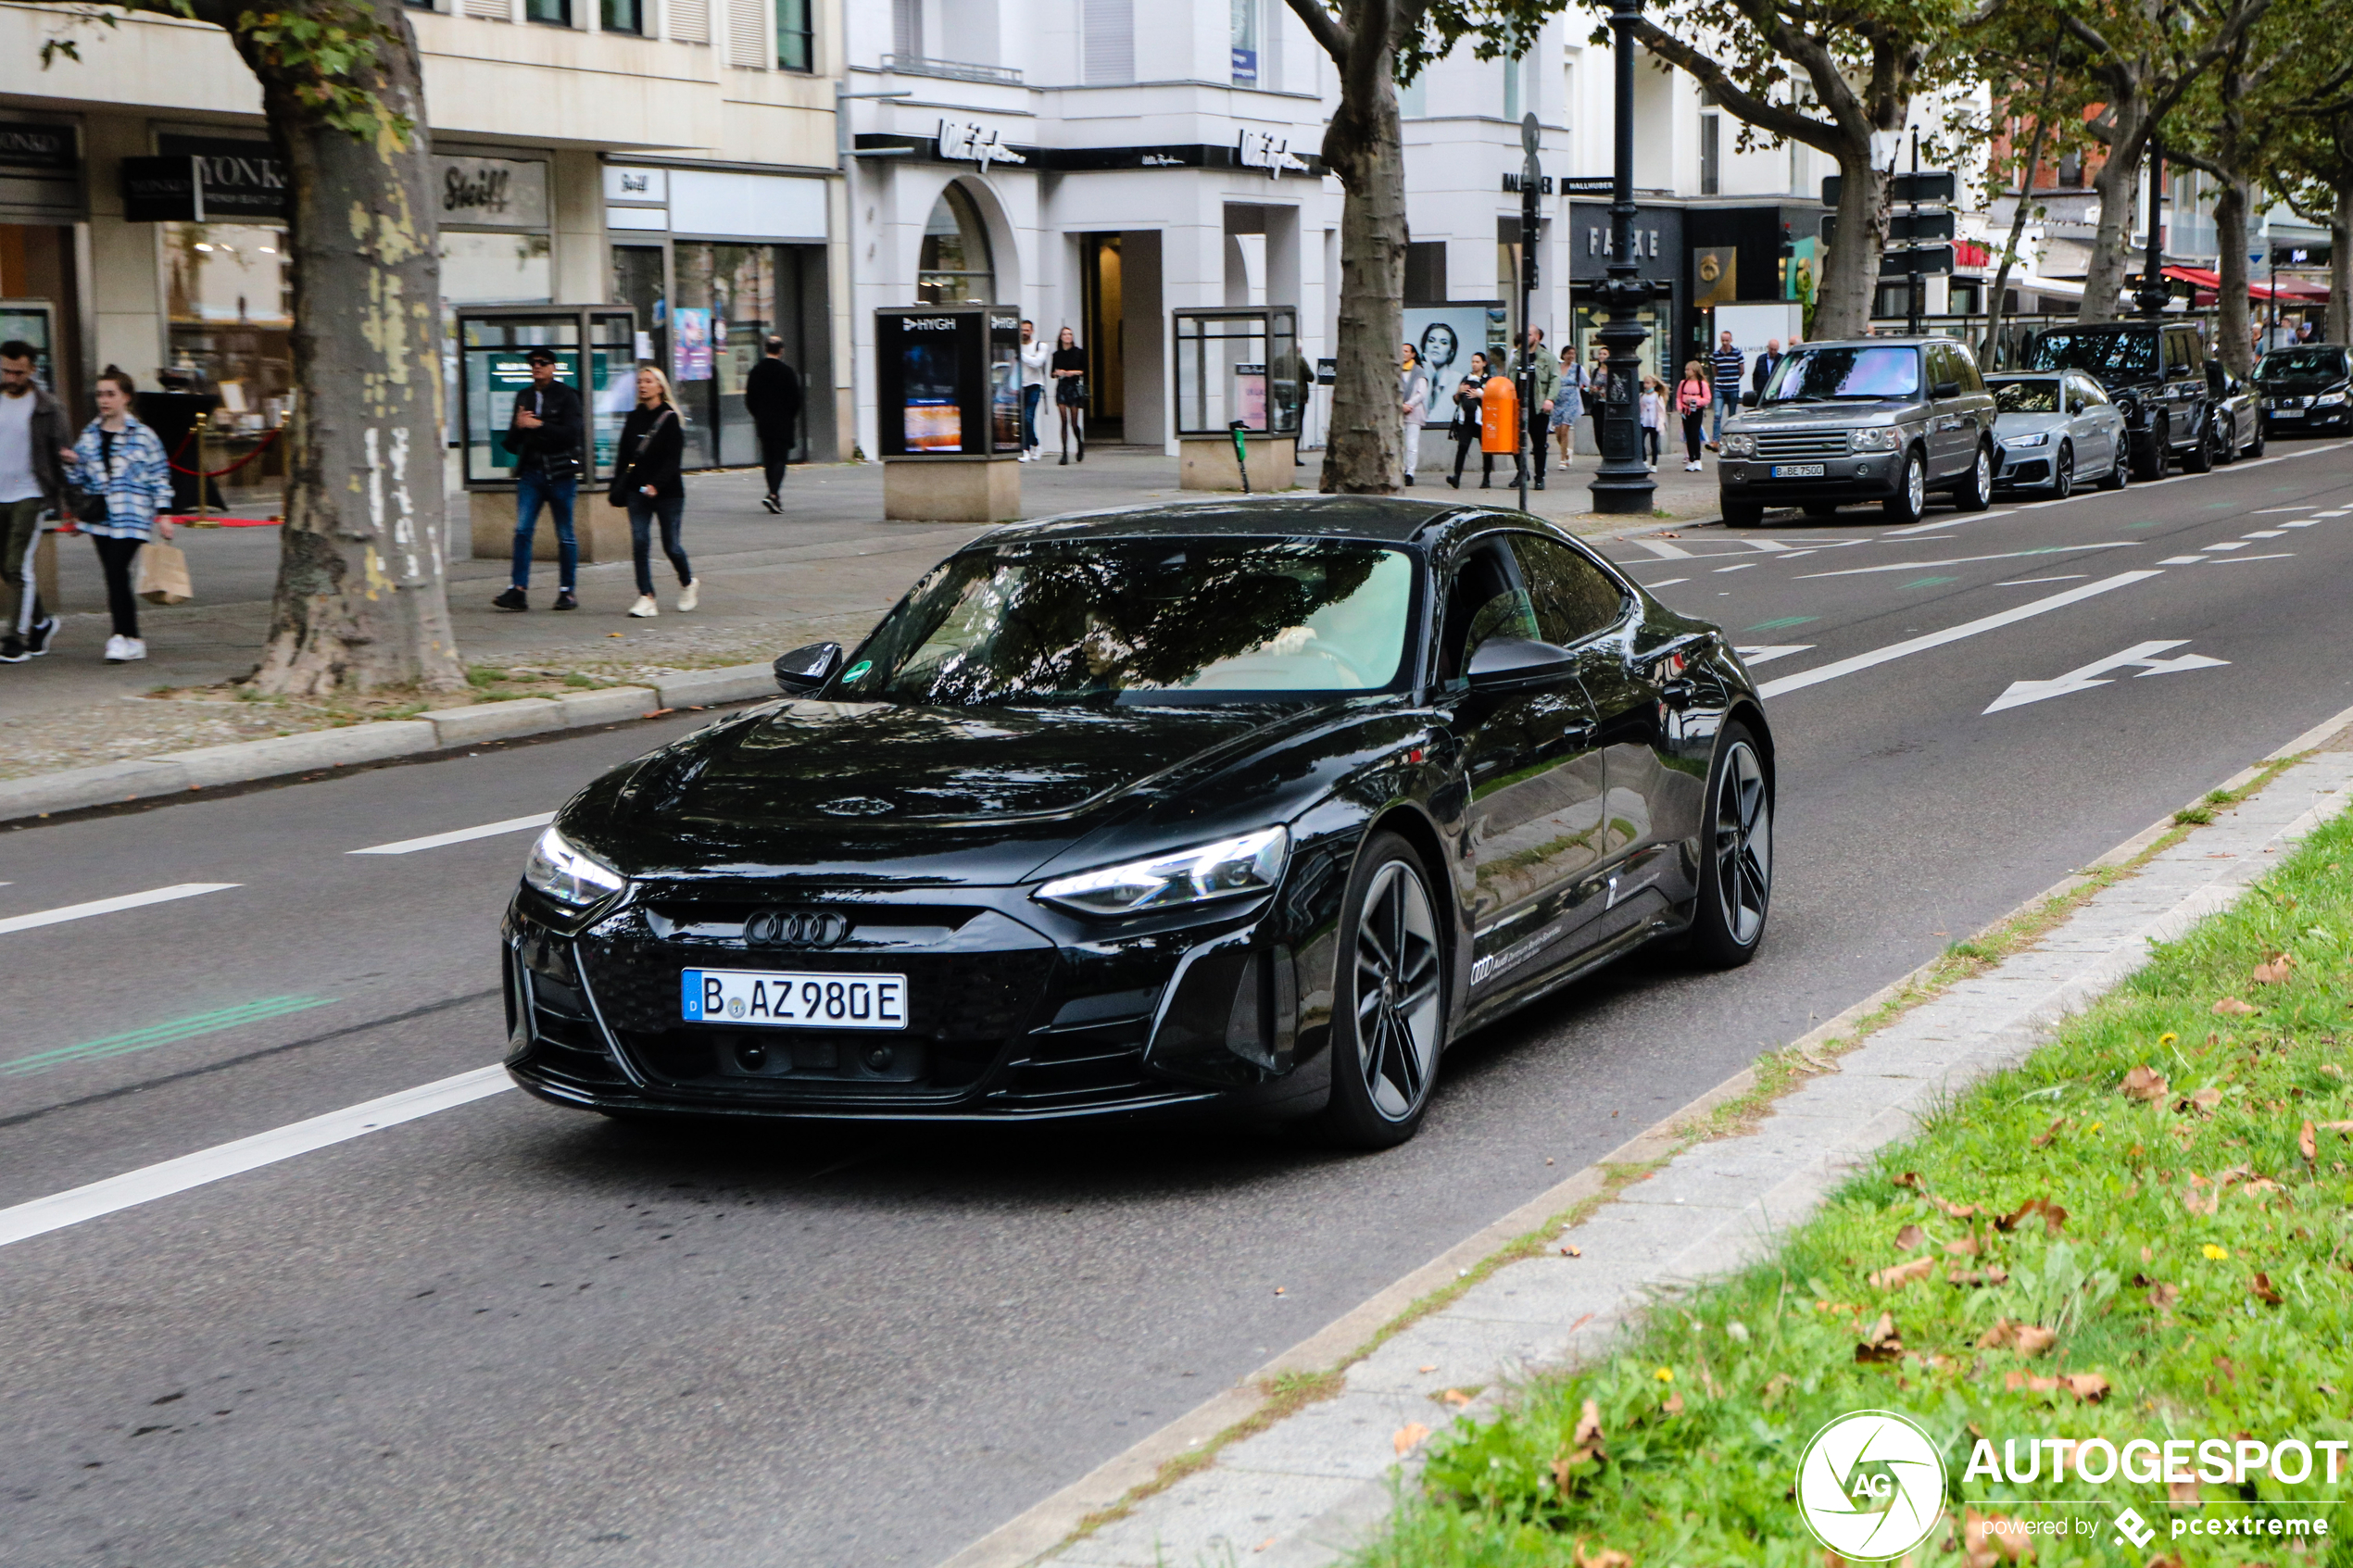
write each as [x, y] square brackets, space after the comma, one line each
[690, 596]
[114, 649]
[645, 609]
[132, 648]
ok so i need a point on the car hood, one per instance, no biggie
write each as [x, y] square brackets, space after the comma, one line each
[2022, 424]
[2298, 386]
[1845, 414]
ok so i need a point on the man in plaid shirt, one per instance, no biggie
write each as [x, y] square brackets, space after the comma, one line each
[1729, 365]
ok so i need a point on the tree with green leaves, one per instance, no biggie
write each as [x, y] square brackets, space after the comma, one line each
[1374, 44]
[360, 600]
[2312, 168]
[1833, 75]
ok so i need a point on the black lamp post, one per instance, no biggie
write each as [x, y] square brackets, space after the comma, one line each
[2152, 293]
[1623, 483]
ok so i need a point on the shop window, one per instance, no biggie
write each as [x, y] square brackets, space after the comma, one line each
[1515, 67]
[1109, 29]
[228, 303]
[796, 39]
[556, 13]
[622, 16]
[1711, 154]
[496, 268]
[1426, 271]
[955, 267]
[1245, 34]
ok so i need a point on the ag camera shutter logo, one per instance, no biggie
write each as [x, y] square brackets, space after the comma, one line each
[1870, 1485]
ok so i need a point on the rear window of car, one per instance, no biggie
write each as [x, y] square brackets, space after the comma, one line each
[2026, 397]
[2099, 350]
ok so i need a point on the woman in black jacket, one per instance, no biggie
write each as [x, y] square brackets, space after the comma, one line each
[646, 480]
[1466, 411]
[1069, 370]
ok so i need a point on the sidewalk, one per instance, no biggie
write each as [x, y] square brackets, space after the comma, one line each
[825, 569]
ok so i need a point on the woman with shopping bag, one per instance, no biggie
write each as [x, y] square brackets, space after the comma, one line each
[646, 480]
[125, 484]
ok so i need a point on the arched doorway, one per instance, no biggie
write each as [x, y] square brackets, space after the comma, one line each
[956, 266]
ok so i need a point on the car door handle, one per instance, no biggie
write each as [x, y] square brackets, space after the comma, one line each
[1577, 732]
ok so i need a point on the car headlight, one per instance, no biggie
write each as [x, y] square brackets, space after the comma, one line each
[1876, 438]
[2039, 438]
[2328, 399]
[1739, 445]
[568, 873]
[1252, 863]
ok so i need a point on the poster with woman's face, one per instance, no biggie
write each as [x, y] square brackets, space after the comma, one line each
[1445, 337]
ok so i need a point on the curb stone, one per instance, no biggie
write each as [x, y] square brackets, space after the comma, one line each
[1548, 1310]
[109, 783]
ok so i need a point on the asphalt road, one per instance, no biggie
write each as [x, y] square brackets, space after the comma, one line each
[505, 1333]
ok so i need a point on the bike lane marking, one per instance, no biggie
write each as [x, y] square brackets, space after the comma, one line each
[109, 906]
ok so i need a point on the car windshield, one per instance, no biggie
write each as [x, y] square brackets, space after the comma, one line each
[2026, 397]
[1152, 621]
[2284, 362]
[2109, 352]
[1815, 375]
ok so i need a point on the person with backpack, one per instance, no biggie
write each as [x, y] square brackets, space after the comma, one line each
[1691, 399]
[646, 480]
[125, 480]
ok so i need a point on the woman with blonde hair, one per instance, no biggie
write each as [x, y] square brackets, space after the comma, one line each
[646, 480]
[1692, 396]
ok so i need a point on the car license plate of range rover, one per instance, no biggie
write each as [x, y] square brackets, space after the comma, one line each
[775, 999]
[1798, 471]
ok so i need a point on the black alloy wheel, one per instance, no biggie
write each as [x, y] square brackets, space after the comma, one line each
[2063, 472]
[1743, 514]
[2120, 467]
[2199, 458]
[2152, 452]
[1736, 857]
[2229, 451]
[1389, 1021]
[2262, 433]
[1976, 493]
[1910, 500]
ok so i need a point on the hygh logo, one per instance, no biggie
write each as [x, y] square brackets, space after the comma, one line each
[1870, 1485]
[2131, 1526]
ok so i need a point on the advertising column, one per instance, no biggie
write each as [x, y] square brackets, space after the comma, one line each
[949, 379]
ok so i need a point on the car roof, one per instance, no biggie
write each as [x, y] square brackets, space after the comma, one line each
[2029, 375]
[1878, 342]
[1382, 519]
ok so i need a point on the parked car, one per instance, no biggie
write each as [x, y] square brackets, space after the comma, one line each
[2055, 428]
[2305, 388]
[2153, 370]
[2238, 417]
[1886, 420]
[1189, 805]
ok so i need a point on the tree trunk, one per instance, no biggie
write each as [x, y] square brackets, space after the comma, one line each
[2340, 325]
[1850, 275]
[2104, 279]
[2229, 229]
[1364, 454]
[1994, 306]
[360, 601]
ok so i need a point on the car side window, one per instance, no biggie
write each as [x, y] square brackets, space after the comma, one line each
[1940, 370]
[1574, 598]
[1965, 369]
[1485, 599]
[2179, 361]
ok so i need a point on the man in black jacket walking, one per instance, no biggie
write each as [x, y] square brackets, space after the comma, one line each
[771, 396]
[544, 433]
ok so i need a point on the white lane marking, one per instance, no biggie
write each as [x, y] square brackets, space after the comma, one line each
[2226, 545]
[2262, 533]
[2021, 693]
[145, 1185]
[1952, 634]
[1666, 582]
[1946, 523]
[2186, 561]
[2300, 523]
[1743, 566]
[435, 841]
[1770, 547]
[2030, 581]
[2242, 560]
[1764, 653]
[1661, 547]
[2264, 511]
[108, 906]
[1964, 560]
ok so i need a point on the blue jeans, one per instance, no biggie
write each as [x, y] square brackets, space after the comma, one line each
[534, 490]
[1723, 398]
[643, 511]
[1030, 397]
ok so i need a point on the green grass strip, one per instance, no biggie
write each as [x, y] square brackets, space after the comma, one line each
[170, 1031]
[2187, 1270]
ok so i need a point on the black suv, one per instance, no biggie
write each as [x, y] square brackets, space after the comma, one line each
[2305, 388]
[1875, 418]
[2153, 370]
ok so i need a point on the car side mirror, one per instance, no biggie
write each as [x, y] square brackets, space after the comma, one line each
[1503, 663]
[1748, 399]
[804, 670]
[1945, 389]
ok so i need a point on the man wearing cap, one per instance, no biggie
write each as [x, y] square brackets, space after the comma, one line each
[544, 433]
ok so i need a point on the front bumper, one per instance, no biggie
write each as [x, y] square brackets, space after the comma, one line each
[2287, 422]
[2030, 468]
[1011, 1015]
[1861, 476]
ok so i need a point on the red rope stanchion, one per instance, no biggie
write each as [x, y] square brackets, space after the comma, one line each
[267, 437]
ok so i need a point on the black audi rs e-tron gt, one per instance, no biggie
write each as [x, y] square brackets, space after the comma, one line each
[1258, 803]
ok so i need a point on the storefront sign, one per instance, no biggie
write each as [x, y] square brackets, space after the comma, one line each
[1511, 184]
[161, 190]
[1598, 243]
[1256, 150]
[1717, 268]
[626, 184]
[47, 148]
[968, 143]
[239, 181]
[492, 192]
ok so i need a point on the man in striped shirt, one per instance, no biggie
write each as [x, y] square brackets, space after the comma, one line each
[1729, 364]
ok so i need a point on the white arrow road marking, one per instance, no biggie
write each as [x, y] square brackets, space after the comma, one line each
[2263, 533]
[2021, 693]
[435, 841]
[1945, 522]
[2030, 581]
[1661, 547]
[2242, 560]
[2299, 522]
[1764, 653]
[1964, 560]
[145, 1185]
[1742, 567]
[1951, 634]
[108, 906]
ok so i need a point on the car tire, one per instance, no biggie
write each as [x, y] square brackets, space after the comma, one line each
[2229, 452]
[2120, 467]
[1388, 1000]
[1735, 853]
[2063, 472]
[1910, 499]
[2152, 452]
[2199, 458]
[1821, 509]
[1975, 493]
[2263, 435]
[1743, 514]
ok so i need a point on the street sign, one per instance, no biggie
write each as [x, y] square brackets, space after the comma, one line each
[1587, 185]
[1531, 135]
[1927, 261]
[1928, 185]
[1902, 227]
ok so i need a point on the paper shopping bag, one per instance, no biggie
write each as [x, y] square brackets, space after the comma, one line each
[163, 574]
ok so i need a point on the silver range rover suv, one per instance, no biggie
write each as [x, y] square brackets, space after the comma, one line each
[1879, 419]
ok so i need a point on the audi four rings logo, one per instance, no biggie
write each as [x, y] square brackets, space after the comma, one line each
[796, 928]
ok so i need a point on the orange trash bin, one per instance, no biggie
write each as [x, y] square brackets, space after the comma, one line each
[1499, 416]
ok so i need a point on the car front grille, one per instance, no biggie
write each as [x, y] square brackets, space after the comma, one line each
[2287, 401]
[1780, 445]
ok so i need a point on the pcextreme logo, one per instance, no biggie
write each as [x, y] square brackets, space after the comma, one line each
[1870, 1485]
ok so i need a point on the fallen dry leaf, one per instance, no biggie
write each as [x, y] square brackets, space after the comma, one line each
[2230, 1006]
[1956, 1211]
[2144, 1082]
[1897, 1275]
[1571, 1249]
[2337, 1127]
[1983, 1545]
[2206, 1099]
[2043, 1139]
[1588, 1431]
[2164, 1296]
[2086, 1385]
[1567, 1463]
[1965, 1247]
[2261, 1288]
[1909, 1179]
[2274, 973]
[1267, 1542]
[2308, 1144]
[1909, 1237]
[1608, 1557]
[2033, 1340]
[1457, 1397]
[1881, 1343]
[2053, 1216]
[2181, 1491]
[1406, 1436]
[1674, 1405]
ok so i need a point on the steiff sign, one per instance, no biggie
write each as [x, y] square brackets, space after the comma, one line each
[491, 193]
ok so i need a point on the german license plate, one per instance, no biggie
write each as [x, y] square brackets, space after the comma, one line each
[1798, 471]
[776, 999]
[2287, 413]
